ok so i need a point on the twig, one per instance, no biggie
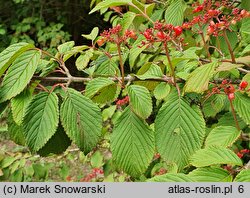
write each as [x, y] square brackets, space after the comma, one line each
[234, 115]
[116, 79]
[82, 79]
[143, 13]
[243, 70]
[121, 63]
[229, 46]
[63, 66]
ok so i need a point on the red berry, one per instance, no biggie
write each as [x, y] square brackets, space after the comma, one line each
[118, 27]
[244, 151]
[224, 82]
[240, 155]
[215, 90]
[212, 12]
[178, 30]
[231, 89]
[231, 96]
[243, 13]
[100, 42]
[147, 35]
[133, 35]
[210, 30]
[161, 35]
[243, 84]
[198, 9]
[186, 25]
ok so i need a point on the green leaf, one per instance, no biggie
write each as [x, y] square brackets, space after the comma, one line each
[135, 51]
[140, 100]
[154, 72]
[15, 131]
[7, 161]
[101, 90]
[210, 174]
[13, 167]
[245, 4]
[199, 78]
[175, 13]
[241, 105]
[83, 60]
[17, 176]
[162, 90]
[49, 68]
[65, 47]
[226, 66]
[228, 120]
[245, 27]
[108, 112]
[11, 53]
[82, 120]
[179, 129]
[243, 176]
[171, 177]
[108, 67]
[109, 3]
[19, 75]
[40, 171]
[96, 160]
[221, 42]
[246, 50]
[41, 120]
[243, 59]
[127, 20]
[57, 144]
[214, 155]
[75, 50]
[3, 107]
[19, 105]
[132, 143]
[222, 136]
[42, 65]
[92, 36]
[214, 105]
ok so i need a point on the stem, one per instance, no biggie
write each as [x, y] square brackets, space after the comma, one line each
[43, 88]
[63, 66]
[115, 79]
[234, 115]
[47, 54]
[172, 69]
[229, 46]
[121, 63]
[172, 74]
[204, 41]
[56, 85]
[143, 13]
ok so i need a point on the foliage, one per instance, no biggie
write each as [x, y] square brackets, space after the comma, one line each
[158, 93]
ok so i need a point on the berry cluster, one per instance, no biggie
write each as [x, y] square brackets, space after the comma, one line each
[114, 35]
[229, 89]
[243, 152]
[96, 172]
[162, 33]
[219, 15]
[122, 102]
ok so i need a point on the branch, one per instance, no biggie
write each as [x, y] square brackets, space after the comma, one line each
[128, 78]
[82, 79]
